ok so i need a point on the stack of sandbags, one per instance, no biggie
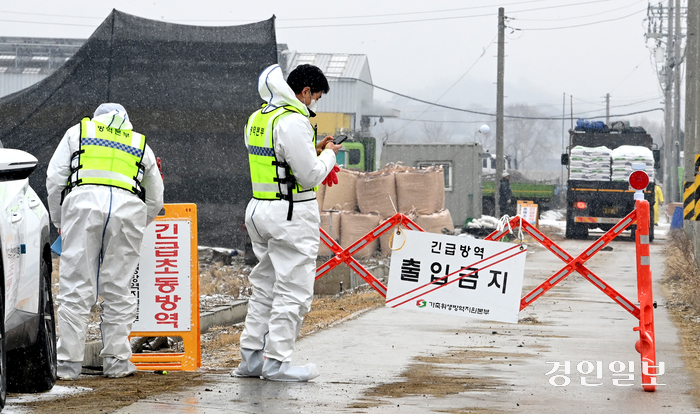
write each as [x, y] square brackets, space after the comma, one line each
[439, 222]
[342, 196]
[625, 156]
[320, 193]
[419, 189]
[376, 193]
[353, 227]
[417, 193]
[330, 223]
[440, 184]
[589, 163]
[384, 239]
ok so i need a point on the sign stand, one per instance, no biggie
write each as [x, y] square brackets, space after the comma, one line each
[169, 265]
[528, 210]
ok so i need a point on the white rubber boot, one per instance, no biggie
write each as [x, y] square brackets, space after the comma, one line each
[68, 370]
[275, 370]
[251, 364]
[117, 368]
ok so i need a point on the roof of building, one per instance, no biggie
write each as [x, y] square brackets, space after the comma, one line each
[30, 55]
[333, 65]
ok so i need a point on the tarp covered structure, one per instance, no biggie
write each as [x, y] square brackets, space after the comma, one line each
[189, 89]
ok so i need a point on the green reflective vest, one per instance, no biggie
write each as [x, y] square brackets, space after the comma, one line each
[108, 156]
[267, 174]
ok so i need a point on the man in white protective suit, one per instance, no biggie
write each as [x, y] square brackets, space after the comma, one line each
[104, 189]
[283, 219]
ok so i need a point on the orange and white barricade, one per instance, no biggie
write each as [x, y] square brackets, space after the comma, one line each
[644, 312]
[166, 286]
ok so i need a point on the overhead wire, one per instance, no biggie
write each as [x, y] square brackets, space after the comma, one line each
[583, 24]
[436, 18]
[455, 83]
[307, 18]
[579, 16]
[554, 118]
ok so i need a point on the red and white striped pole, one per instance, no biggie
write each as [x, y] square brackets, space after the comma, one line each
[646, 344]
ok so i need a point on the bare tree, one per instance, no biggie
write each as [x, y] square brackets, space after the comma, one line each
[653, 128]
[529, 141]
[487, 140]
[435, 132]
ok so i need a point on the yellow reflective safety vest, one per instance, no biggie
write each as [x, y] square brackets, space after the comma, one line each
[268, 174]
[108, 156]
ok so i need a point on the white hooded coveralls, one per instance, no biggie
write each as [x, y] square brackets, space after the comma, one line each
[101, 230]
[283, 280]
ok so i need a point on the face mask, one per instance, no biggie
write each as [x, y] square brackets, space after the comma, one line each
[312, 105]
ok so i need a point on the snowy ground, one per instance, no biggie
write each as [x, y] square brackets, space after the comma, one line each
[556, 219]
[11, 404]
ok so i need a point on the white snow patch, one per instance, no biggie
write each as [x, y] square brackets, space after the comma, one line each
[13, 400]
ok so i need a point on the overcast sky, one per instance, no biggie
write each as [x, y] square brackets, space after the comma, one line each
[426, 49]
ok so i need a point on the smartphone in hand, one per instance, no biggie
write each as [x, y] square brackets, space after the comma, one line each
[339, 139]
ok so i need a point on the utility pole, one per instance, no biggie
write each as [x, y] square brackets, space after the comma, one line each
[692, 88]
[499, 108]
[677, 60]
[607, 109]
[563, 132]
[670, 184]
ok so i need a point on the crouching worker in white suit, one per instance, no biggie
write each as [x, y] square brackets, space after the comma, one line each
[104, 189]
[282, 220]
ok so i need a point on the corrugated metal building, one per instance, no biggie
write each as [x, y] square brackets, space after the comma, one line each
[461, 164]
[348, 108]
[25, 61]
[350, 105]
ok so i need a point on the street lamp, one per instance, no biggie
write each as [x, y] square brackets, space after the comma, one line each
[484, 129]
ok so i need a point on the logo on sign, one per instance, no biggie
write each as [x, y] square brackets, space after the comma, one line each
[421, 303]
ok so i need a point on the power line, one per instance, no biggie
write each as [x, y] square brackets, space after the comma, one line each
[49, 23]
[435, 18]
[553, 118]
[456, 82]
[347, 17]
[50, 15]
[312, 18]
[416, 12]
[578, 17]
[584, 24]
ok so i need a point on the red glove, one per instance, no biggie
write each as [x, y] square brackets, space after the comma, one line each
[332, 177]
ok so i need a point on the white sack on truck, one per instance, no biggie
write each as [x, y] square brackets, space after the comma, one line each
[590, 163]
[623, 157]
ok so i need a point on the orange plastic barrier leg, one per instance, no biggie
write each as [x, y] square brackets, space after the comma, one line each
[646, 344]
[345, 256]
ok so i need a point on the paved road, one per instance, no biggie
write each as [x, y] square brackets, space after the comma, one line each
[370, 364]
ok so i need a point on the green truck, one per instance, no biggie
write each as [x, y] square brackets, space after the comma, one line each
[540, 194]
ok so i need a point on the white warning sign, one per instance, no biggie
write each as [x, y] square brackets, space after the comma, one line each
[456, 276]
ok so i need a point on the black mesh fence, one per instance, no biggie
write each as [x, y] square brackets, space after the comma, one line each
[189, 89]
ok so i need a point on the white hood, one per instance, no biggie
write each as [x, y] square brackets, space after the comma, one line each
[274, 90]
[113, 115]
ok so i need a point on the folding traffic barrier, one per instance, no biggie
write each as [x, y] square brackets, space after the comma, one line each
[166, 286]
[345, 255]
[644, 313]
